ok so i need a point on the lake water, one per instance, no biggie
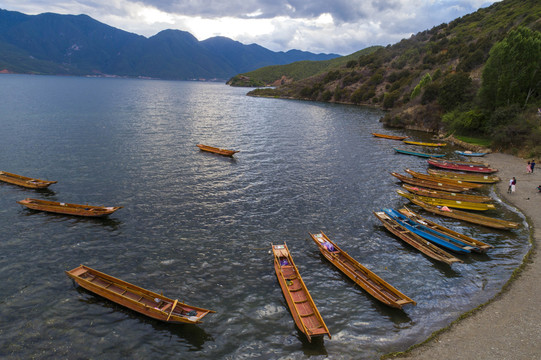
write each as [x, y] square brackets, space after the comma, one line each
[198, 227]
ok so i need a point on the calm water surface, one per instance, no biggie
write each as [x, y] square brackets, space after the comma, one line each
[198, 227]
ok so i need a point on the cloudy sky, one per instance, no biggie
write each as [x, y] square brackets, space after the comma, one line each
[329, 26]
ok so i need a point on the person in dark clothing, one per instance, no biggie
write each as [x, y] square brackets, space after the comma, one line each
[532, 165]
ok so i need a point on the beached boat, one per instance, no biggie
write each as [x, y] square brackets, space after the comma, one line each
[460, 167]
[426, 247]
[430, 177]
[417, 190]
[478, 245]
[429, 184]
[470, 177]
[423, 143]
[361, 275]
[469, 153]
[429, 234]
[143, 301]
[24, 181]
[392, 137]
[457, 204]
[216, 150]
[416, 153]
[69, 209]
[300, 303]
[467, 216]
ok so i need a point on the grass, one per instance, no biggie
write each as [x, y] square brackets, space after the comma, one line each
[484, 142]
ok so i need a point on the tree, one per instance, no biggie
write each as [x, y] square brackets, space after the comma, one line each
[455, 89]
[512, 74]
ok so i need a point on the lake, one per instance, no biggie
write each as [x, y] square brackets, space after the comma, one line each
[198, 227]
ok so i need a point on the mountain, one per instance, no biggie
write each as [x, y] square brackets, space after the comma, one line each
[79, 45]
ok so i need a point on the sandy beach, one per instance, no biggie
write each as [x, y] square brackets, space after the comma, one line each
[508, 326]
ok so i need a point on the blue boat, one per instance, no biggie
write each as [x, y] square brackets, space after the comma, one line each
[429, 234]
[416, 153]
[469, 153]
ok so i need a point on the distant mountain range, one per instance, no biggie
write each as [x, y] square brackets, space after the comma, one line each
[79, 45]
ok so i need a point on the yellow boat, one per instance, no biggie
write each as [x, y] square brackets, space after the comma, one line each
[423, 143]
[449, 203]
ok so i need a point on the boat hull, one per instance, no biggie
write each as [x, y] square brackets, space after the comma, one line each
[430, 184]
[466, 205]
[470, 177]
[461, 167]
[445, 194]
[24, 181]
[453, 182]
[391, 137]
[68, 209]
[419, 143]
[215, 150]
[416, 153]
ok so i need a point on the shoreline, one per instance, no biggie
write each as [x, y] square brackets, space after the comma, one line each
[508, 325]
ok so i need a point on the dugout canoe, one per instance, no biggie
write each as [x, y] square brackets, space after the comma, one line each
[467, 216]
[445, 194]
[429, 177]
[392, 137]
[416, 153]
[216, 150]
[478, 245]
[419, 143]
[457, 204]
[470, 153]
[361, 275]
[471, 177]
[300, 303]
[426, 247]
[444, 164]
[68, 209]
[429, 184]
[143, 301]
[24, 181]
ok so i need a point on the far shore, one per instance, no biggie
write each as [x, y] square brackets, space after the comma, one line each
[509, 325]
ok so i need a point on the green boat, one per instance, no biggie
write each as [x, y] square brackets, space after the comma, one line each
[416, 153]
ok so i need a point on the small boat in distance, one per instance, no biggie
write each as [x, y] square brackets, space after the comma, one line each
[362, 276]
[469, 153]
[458, 204]
[300, 303]
[27, 182]
[68, 209]
[216, 150]
[423, 143]
[392, 137]
[143, 301]
[417, 153]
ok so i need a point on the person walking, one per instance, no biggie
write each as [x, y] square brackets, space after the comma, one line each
[513, 185]
[529, 168]
[532, 164]
[510, 185]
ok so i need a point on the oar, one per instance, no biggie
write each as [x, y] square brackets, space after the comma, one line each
[172, 308]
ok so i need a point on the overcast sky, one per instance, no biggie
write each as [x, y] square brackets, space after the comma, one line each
[329, 26]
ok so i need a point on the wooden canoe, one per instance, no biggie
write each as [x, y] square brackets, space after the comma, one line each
[216, 150]
[24, 181]
[429, 177]
[460, 167]
[423, 143]
[429, 184]
[361, 275]
[416, 153]
[470, 153]
[478, 245]
[143, 301]
[467, 216]
[445, 194]
[457, 204]
[69, 209]
[471, 177]
[300, 303]
[392, 137]
[426, 247]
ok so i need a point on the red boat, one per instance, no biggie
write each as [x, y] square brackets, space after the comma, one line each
[444, 164]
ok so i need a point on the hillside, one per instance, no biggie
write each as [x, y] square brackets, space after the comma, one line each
[79, 45]
[437, 75]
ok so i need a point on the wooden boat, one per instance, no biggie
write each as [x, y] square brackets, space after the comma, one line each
[460, 167]
[469, 153]
[429, 184]
[24, 181]
[216, 150]
[468, 163]
[416, 153]
[362, 276]
[467, 216]
[300, 303]
[392, 137]
[69, 209]
[428, 233]
[457, 204]
[445, 194]
[426, 247]
[143, 301]
[478, 245]
[423, 143]
[429, 177]
[470, 177]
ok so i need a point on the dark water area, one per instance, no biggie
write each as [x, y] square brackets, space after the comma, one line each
[198, 227]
